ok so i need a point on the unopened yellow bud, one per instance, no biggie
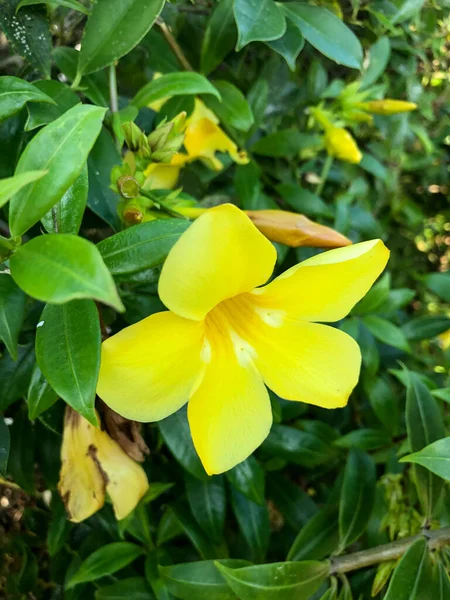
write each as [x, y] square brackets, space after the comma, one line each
[295, 230]
[340, 144]
[387, 107]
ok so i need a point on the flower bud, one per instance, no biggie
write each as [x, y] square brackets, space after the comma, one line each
[167, 139]
[295, 230]
[387, 107]
[340, 144]
[136, 139]
[128, 186]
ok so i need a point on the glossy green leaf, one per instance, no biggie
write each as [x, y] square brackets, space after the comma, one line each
[11, 185]
[426, 327]
[375, 297]
[22, 455]
[15, 375]
[284, 143]
[328, 34]
[113, 29]
[53, 149]
[40, 114]
[365, 439]
[412, 577]
[59, 527]
[258, 21]
[66, 216]
[154, 577]
[443, 582]
[439, 284]
[248, 478]
[379, 55]
[289, 45]
[303, 201]
[142, 246]
[220, 36]
[68, 342]
[299, 447]
[253, 521]
[424, 426]
[204, 546]
[5, 442]
[69, 267]
[357, 497]
[296, 506]
[174, 84]
[104, 561]
[12, 309]
[435, 458]
[200, 580]
[41, 396]
[131, 588]
[407, 9]
[73, 4]
[386, 332]
[15, 93]
[442, 394]
[318, 538]
[208, 504]
[276, 581]
[233, 110]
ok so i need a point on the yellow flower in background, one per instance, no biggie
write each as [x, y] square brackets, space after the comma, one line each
[339, 143]
[92, 464]
[387, 107]
[444, 340]
[224, 339]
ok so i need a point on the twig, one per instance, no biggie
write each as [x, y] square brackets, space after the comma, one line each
[324, 175]
[113, 99]
[367, 558]
[174, 45]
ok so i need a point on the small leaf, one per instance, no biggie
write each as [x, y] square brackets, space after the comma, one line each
[68, 353]
[412, 576]
[208, 503]
[365, 439]
[12, 309]
[233, 110]
[426, 327]
[258, 21]
[53, 149]
[40, 114]
[386, 332]
[21, 464]
[357, 497]
[294, 504]
[132, 588]
[15, 375]
[303, 201]
[15, 93]
[328, 34]
[435, 457]
[203, 545]
[59, 527]
[439, 284]
[220, 36]
[289, 45]
[4, 445]
[407, 10]
[66, 216]
[141, 247]
[253, 521]
[248, 478]
[11, 185]
[174, 84]
[113, 29]
[106, 560]
[73, 4]
[69, 266]
[284, 143]
[276, 581]
[41, 396]
[299, 447]
[318, 538]
[379, 55]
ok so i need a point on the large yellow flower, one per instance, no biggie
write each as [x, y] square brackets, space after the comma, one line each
[224, 338]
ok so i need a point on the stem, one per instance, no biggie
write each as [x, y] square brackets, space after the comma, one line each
[324, 175]
[76, 81]
[367, 558]
[174, 45]
[5, 243]
[113, 88]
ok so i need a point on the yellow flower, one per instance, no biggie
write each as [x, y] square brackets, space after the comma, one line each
[340, 144]
[224, 338]
[387, 107]
[92, 464]
[444, 340]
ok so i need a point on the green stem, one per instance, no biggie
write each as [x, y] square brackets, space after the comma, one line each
[324, 175]
[76, 81]
[6, 243]
[113, 98]
[161, 205]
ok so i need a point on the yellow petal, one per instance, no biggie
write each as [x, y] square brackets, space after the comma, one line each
[126, 480]
[148, 370]
[81, 484]
[162, 176]
[230, 413]
[327, 286]
[312, 363]
[444, 339]
[222, 254]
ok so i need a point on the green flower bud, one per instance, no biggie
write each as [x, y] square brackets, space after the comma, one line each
[128, 186]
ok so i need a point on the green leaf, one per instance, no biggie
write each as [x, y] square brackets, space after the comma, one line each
[386, 332]
[208, 504]
[205, 547]
[299, 447]
[357, 497]
[113, 29]
[276, 581]
[248, 478]
[69, 267]
[220, 36]
[258, 21]
[68, 343]
[132, 588]
[54, 150]
[154, 578]
[66, 216]
[174, 84]
[426, 327]
[439, 284]
[379, 55]
[412, 576]
[296, 506]
[443, 582]
[12, 309]
[15, 93]
[11, 185]
[73, 4]
[233, 110]
[40, 114]
[407, 10]
[29, 34]
[248, 185]
[5, 442]
[365, 439]
[326, 32]
[375, 297]
[41, 396]
[424, 426]
[142, 246]
[59, 527]
[177, 435]
[21, 463]
[15, 375]
[442, 394]
[284, 143]
[318, 538]
[253, 521]
[106, 560]
[435, 458]
[303, 201]
[289, 45]
[200, 580]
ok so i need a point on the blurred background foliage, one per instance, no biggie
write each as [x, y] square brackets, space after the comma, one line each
[325, 482]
